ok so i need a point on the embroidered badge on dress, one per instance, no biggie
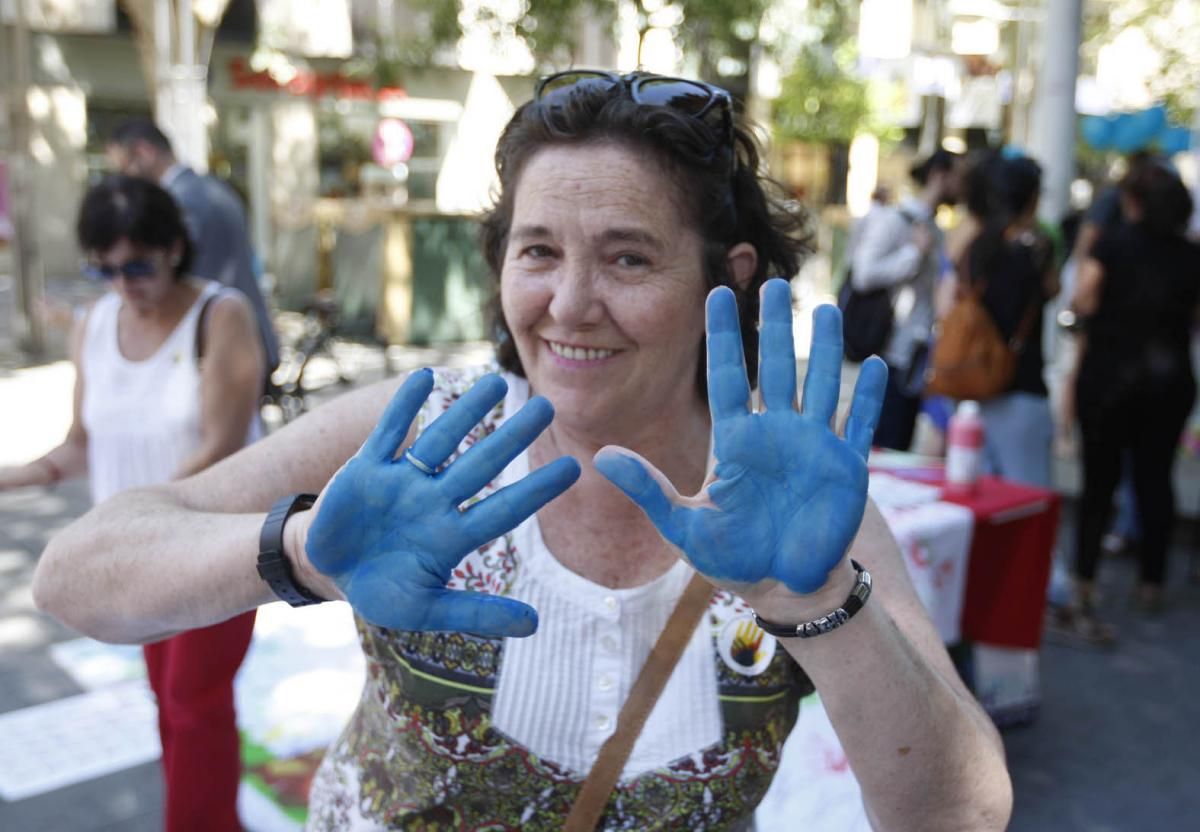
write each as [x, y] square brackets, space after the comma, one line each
[744, 647]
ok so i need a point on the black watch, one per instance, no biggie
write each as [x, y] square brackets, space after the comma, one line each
[273, 564]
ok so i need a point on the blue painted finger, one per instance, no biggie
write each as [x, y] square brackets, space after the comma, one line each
[631, 476]
[508, 507]
[484, 461]
[866, 405]
[823, 380]
[728, 389]
[397, 418]
[777, 347]
[440, 439]
[475, 612]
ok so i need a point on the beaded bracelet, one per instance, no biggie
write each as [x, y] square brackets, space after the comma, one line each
[826, 623]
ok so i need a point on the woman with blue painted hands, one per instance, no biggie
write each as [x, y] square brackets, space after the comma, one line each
[514, 606]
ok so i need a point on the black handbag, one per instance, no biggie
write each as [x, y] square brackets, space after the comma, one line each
[866, 320]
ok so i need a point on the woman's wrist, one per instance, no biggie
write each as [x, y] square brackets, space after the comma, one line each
[783, 606]
[295, 533]
[47, 469]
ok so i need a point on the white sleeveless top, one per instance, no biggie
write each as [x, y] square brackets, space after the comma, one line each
[142, 417]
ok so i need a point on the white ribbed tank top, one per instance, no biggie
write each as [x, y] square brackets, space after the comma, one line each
[142, 417]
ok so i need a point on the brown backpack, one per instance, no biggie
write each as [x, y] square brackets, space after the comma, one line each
[971, 359]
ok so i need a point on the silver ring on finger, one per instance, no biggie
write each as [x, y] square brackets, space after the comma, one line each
[423, 467]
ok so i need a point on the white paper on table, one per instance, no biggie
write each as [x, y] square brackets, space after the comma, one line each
[302, 677]
[890, 491]
[814, 787]
[935, 539]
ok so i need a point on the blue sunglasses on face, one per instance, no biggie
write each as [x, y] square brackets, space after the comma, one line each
[132, 270]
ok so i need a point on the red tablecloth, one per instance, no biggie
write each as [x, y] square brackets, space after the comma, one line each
[1009, 566]
[1012, 548]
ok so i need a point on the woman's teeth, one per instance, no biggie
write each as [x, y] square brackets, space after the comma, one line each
[579, 353]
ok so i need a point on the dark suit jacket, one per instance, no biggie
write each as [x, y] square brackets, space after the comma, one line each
[217, 224]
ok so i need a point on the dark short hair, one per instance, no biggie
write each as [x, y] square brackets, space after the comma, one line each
[940, 159]
[1000, 187]
[727, 201]
[140, 130]
[1160, 193]
[126, 207]
[999, 190]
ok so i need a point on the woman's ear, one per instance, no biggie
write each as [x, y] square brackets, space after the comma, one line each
[742, 261]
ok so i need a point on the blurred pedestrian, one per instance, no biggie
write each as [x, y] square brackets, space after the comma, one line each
[212, 210]
[900, 248]
[1012, 262]
[1138, 292]
[168, 370]
[1104, 217]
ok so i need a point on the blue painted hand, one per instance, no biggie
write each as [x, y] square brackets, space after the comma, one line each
[786, 495]
[389, 534]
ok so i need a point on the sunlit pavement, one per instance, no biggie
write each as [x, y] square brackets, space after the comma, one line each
[1112, 749]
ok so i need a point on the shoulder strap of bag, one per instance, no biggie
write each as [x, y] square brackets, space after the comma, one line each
[200, 325]
[596, 789]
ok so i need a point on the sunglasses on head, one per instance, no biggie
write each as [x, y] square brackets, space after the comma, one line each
[712, 105]
[132, 270]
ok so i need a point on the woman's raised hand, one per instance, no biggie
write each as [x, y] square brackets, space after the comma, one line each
[786, 495]
[389, 534]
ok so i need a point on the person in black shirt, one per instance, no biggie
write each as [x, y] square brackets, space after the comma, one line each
[1138, 293]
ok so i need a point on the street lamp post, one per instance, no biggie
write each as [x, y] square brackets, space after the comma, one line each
[1053, 127]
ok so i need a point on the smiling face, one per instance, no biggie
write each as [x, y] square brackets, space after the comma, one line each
[603, 288]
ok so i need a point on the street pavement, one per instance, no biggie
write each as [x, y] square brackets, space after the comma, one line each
[1113, 749]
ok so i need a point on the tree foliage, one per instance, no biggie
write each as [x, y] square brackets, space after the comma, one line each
[1171, 29]
[821, 99]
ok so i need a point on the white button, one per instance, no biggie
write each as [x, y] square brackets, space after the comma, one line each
[609, 643]
[605, 682]
[602, 722]
[610, 602]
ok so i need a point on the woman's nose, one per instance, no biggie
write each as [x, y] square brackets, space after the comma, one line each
[575, 300]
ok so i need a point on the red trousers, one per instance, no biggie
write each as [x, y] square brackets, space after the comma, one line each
[191, 675]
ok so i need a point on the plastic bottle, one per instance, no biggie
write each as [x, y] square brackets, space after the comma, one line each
[964, 449]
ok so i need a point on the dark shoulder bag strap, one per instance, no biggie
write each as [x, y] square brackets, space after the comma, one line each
[200, 325]
[602, 779]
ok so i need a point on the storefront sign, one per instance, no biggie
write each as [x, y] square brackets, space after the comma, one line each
[81, 16]
[243, 77]
[392, 144]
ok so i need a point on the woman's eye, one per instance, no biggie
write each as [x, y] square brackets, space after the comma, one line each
[631, 260]
[539, 251]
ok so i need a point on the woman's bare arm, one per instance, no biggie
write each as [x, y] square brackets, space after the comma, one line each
[935, 746]
[231, 375]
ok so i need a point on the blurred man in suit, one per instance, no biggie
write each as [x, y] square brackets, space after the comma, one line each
[213, 212]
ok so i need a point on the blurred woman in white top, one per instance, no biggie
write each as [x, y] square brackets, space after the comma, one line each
[168, 373]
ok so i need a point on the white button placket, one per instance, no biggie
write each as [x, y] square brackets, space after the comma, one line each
[606, 675]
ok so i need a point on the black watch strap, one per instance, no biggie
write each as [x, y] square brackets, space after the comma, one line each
[826, 623]
[273, 564]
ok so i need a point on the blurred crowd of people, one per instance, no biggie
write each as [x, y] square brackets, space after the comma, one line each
[1125, 280]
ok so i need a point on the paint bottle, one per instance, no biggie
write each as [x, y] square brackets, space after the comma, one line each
[964, 449]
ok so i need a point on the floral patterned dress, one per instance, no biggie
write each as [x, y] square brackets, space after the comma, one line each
[443, 738]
